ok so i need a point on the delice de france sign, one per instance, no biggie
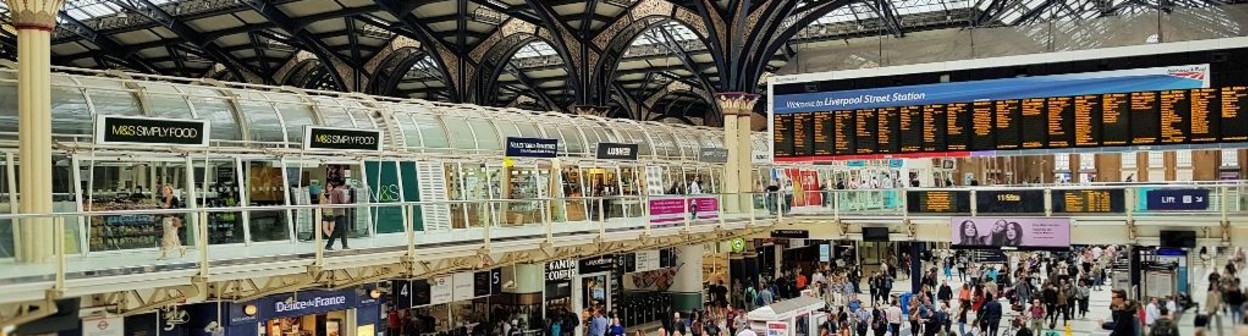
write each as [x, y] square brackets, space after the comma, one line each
[150, 131]
[327, 138]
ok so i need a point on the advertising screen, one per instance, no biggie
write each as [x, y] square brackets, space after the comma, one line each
[1011, 232]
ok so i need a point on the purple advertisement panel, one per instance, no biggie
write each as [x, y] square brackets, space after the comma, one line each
[670, 210]
[1011, 232]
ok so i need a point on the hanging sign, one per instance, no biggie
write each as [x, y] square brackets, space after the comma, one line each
[1178, 199]
[150, 131]
[486, 283]
[603, 263]
[561, 270]
[617, 151]
[441, 289]
[737, 244]
[532, 147]
[462, 286]
[103, 326]
[646, 260]
[337, 138]
[713, 155]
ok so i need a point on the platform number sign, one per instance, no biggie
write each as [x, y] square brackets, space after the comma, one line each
[402, 292]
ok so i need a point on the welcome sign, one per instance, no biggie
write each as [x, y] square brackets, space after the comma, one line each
[150, 131]
[326, 138]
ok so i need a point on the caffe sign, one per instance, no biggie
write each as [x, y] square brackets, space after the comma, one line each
[561, 270]
[150, 131]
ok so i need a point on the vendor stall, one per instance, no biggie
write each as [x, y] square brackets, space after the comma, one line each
[801, 315]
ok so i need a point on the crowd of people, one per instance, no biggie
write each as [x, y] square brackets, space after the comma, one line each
[1034, 294]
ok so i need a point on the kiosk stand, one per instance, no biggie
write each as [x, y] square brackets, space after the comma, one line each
[795, 317]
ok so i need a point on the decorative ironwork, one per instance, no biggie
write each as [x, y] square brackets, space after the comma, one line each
[736, 103]
[590, 110]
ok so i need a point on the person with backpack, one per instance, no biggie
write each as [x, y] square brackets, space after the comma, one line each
[861, 321]
[751, 297]
[1164, 326]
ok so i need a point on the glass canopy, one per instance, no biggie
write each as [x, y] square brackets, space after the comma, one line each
[275, 118]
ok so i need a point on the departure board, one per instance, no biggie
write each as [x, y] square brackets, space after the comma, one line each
[1115, 119]
[1205, 125]
[1087, 121]
[1008, 123]
[823, 133]
[1234, 120]
[1061, 113]
[1009, 201]
[957, 121]
[1089, 201]
[887, 131]
[864, 131]
[1173, 109]
[938, 201]
[1149, 118]
[803, 134]
[1034, 123]
[982, 126]
[843, 126]
[1145, 123]
[934, 128]
[910, 128]
[783, 135]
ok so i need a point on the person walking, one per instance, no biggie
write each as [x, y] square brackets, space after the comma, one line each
[992, 315]
[1035, 317]
[170, 224]
[338, 196]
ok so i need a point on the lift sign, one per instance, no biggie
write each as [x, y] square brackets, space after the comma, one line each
[150, 131]
[324, 138]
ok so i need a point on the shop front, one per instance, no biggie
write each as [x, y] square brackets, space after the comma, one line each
[460, 302]
[349, 312]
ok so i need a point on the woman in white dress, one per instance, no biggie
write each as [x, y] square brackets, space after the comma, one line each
[170, 224]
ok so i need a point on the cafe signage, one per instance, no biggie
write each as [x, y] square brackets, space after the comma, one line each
[532, 147]
[150, 131]
[617, 151]
[561, 270]
[713, 155]
[337, 138]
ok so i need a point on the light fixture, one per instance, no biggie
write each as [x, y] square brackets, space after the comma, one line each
[375, 293]
[250, 310]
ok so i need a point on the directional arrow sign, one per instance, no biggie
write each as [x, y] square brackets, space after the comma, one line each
[1177, 199]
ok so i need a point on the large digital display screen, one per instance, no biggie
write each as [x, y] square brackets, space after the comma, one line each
[1102, 109]
[1019, 233]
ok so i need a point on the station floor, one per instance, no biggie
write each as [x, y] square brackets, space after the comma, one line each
[1098, 310]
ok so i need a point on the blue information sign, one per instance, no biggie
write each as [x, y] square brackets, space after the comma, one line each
[532, 147]
[1178, 199]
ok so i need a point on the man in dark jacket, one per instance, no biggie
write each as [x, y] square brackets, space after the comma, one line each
[992, 315]
[1123, 315]
[945, 293]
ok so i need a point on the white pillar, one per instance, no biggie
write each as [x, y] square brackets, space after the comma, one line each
[686, 286]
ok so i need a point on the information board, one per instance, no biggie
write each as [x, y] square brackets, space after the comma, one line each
[1009, 201]
[1088, 201]
[939, 201]
[1008, 123]
[1148, 118]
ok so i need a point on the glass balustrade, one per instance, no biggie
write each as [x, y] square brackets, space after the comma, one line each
[79, 244]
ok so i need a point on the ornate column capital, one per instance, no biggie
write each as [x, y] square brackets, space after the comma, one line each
[739, 104]
[34, 14]
[591, 110]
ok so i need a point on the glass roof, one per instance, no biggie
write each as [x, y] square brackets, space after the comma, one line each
[536, 48]
[87, 9]
[679, 33]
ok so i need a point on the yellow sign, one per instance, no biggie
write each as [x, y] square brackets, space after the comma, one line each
[365, 330]
[508, 162]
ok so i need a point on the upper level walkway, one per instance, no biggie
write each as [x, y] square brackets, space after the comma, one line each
[494, 228]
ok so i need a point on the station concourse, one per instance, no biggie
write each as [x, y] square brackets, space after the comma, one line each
[612, 167]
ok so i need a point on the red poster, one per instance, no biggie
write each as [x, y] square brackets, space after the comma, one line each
[810, 183]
